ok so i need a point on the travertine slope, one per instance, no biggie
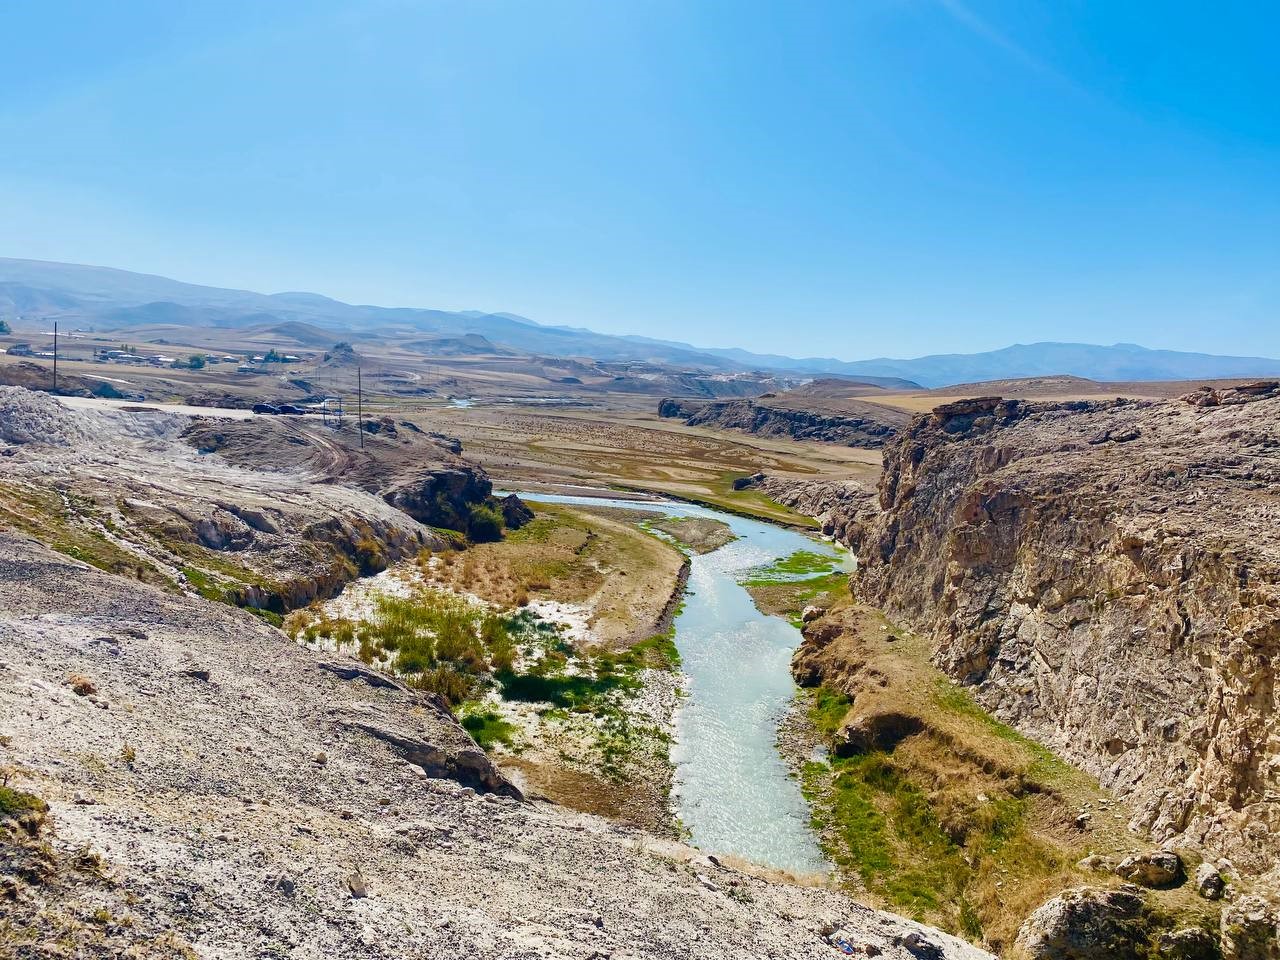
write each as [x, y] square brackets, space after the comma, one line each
[236, 795]
[1106, 576]
[271, 513]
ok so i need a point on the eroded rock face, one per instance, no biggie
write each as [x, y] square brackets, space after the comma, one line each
[1085, 924]
[1117, 599]
[439, 497]
[872, 430]
[1250, 928]
[843, 508]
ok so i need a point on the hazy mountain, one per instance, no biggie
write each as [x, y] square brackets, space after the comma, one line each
[1120, 361]
[118, 299]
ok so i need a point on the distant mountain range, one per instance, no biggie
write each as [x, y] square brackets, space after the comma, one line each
[108, 299]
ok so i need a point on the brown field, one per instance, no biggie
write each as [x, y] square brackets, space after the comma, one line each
[522, 447]
[621, 574]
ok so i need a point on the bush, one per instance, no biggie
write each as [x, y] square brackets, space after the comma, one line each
[14, 803]
[484, 524]
[488, 729]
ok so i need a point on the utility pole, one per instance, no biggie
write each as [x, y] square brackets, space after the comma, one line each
[55, 356]
[360, 407]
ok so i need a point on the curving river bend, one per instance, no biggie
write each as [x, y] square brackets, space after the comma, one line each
[732, 789]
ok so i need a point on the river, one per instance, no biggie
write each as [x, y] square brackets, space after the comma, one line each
[732, 790]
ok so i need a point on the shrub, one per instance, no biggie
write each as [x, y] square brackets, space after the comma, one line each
[15, 803]
[370, 556]
[484, 524]
[488, 729]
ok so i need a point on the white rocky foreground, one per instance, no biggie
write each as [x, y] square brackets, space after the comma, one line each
[258, 799]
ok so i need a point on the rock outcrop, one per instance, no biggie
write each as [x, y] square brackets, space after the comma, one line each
[871, 428]
[843, 508]
[289, 515]
[1105, 576]
[1085, 924]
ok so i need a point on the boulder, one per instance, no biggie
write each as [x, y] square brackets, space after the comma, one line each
[1209, 882]
[1189, 943]
[440, 497]
[1086, 924]
[1156, 868]
[1249, 930]
[515, 512]
[811, 612]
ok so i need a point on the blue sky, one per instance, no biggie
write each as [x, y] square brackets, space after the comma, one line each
[853, 178]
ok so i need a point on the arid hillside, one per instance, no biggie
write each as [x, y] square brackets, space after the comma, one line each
[180, 779]
[270, 513]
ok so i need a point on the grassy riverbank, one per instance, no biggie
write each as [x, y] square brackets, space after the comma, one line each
[931, 807]
[547, 646]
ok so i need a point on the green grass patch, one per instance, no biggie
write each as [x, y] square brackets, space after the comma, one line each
[827, 710]
[798, 566]
[488, 728]
[267, 616]
[921, 849]
[205, 584]
[15, 803]
[573, 691]
[659, 652]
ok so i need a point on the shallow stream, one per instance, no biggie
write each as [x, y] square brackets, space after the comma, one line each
[732, 789]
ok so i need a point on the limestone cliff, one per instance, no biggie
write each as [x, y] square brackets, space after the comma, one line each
[1106, 577]
[871, 426]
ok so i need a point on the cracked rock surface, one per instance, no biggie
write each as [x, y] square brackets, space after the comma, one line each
[248, 799]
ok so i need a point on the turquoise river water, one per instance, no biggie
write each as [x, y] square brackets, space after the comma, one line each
[732, 790]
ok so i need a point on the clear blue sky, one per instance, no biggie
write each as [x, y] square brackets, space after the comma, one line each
[852, 178]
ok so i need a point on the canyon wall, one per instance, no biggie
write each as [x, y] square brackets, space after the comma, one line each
[872, 427]
[1105, 576]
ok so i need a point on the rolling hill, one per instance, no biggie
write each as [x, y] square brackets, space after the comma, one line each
[111, 299]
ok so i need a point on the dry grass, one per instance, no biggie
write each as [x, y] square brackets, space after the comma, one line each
[622, 574]
[642, 453]
[699, 534]
[940, 811]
